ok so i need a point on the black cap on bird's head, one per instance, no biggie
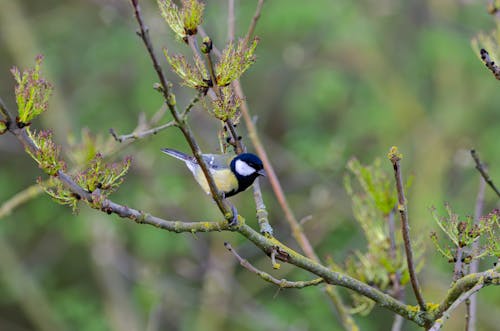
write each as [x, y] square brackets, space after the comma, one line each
[247, 167]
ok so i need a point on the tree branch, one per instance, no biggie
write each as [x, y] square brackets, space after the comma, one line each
[395, 158]
[19, 198]
[463, 285]
[253, 24]
[283, 283]
[142, 134]
[262, 214]
[5, 112]
[474, 265]
[482, 170]
[490, 64]
[181, 121]
[439, 323]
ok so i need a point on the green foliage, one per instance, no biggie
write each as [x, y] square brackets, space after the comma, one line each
[235, 60]
[464, 232]
[100, 175]
[183, 22]
[59, 193]
[226, 107]
[46, 153]
[192, 76]
[373, 203]
[3, 127]
[83, 152]
[32, 92]
[375, 182]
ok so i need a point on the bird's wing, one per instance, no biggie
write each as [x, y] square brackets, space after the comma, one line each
[217, 161]
[178, 155]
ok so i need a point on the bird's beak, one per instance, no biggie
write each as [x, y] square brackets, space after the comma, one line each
[262, 173]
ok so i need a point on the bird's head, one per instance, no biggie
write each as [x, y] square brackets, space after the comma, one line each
[247, 165]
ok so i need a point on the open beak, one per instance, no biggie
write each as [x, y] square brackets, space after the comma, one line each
[262, 172]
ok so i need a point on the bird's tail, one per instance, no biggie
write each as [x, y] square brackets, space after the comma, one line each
[178, 155]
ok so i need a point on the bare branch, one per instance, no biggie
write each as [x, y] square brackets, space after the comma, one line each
[143, 134]
[395, 158]
[396, 279]
[4, 111]
[490, 64]
[18, 199]
[437, 326]
[230, 21]
[482, 170]
[262, 215]
[253, 24]
[474, 266]
[283, 283]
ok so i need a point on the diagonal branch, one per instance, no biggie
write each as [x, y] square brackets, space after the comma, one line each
[142, 134]
[19, 198]
[482, 170]
[4, 111]
[253, 24]
[489, 63]
[463, 289]
[437, 326]
[395, 158]
[178, 118]
[282, 283]
[471, 315]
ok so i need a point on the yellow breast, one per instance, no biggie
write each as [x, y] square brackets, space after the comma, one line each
[224, 179]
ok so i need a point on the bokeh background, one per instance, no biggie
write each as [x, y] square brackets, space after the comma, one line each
[333, 80]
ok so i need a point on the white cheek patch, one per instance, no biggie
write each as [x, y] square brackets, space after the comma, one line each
[243, 169]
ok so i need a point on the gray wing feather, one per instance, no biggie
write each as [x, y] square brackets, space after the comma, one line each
[178, 155]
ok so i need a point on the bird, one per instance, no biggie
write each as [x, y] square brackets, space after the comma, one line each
[232, 174]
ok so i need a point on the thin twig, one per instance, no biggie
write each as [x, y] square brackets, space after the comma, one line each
[457, 269]
[474, 265]
[397, 324]
[283, 283]
[253, 24]
[490, 64]
[482, 170]
[19, 198]
[5, 112]
[395, 158]
[153, 131]
[230, 21]
[262, 214]
[142, 134]
[464, 296]
[190, 106]
[236, 142]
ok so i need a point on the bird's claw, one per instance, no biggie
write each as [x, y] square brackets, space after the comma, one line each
[234, 219]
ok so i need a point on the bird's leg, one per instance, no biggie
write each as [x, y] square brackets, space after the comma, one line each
[234, 219]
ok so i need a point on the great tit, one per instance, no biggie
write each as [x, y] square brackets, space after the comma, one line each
[232, 173]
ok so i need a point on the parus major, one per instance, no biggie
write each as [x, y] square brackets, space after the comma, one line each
[232, 173]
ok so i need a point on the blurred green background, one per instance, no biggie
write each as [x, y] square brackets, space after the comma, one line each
[333, 80]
